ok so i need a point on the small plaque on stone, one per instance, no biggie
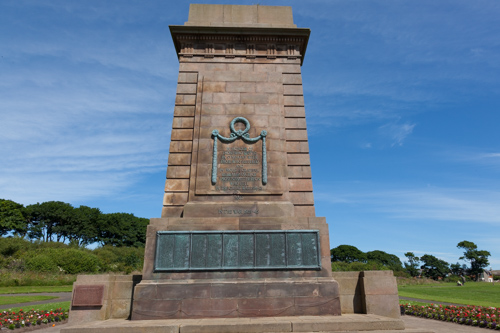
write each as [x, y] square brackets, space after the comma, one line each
[88, 295]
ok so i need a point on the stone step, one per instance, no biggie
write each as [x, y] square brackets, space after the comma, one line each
[346, 323]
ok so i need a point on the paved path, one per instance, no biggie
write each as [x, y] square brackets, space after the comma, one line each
[411, 322]
[61, 297]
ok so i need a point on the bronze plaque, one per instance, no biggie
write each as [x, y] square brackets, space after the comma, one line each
[237, 250]
[88, 295]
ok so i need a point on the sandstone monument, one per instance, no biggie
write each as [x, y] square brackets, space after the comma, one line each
[238, 236]
[238, 247]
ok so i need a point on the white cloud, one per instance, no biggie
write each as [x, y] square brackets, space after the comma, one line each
[397, 132]
[430, 204]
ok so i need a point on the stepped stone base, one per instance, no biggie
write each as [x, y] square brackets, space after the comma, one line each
[235, 298]
[345, 323]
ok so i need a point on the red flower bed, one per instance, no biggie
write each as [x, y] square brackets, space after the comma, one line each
[13, 320]
[466, 315]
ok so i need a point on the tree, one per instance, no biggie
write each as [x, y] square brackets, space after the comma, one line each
[412, 266]
[49, 219]
[122, 229]
[433, 267]
[457, 269]
[386, 259]
[12, 218]
[478, 259]
[347, 253]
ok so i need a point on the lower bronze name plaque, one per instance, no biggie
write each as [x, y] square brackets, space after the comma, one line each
[237, 250]
[88, 295]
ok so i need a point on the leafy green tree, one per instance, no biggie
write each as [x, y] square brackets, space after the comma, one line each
[433, 267]
[12, 218]
[412, 266]
[386, 259]
[122, 229]
[84, 227]
[50, 219]
[478, 259]
[347, 253]
[457, 269]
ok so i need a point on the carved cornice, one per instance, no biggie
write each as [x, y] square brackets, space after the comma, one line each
[232, 42]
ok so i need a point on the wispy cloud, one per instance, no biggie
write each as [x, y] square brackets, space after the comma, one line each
[432, 204]
[397, 132]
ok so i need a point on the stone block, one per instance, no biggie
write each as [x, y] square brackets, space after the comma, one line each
[212, 87]
[293, 100]
[265, 68]
[295, 123]
[184, 111]
[244, 87]
[222, 76]
[298, 159]
[174, 199]
[251, 98]
[295, 111]
[172, 211]
[380, 285]
[240, 68]
[238, 109]
[292, 79]
[213, 109]
[210, 308]
[299, 135]
[296, 185]
[299, 172]
[269, 88]
[265, 307]
[301, 198]
[178, 171]
[187, 77]
[185, 99]
[293, 89]
[304, 211]
[183, 122]
[267, 109]
[217, 66]
[207, 98]
[186, 88]
[226, 98]
[297, 147]
[254, 77]
[181, 146]
[240, 16]
[383, 305]
[177, 185]
[179, 159]
[182, 134]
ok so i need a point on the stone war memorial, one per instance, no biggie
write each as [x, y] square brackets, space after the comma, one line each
[238, 247]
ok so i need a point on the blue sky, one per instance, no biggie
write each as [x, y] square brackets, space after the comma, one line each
[402, 100]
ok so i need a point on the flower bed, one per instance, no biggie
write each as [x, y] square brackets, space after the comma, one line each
[32, 318]
[480, 316]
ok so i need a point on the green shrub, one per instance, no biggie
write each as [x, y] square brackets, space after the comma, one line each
[121, 259]
[10, 246]
[41, 263]
[74, 261]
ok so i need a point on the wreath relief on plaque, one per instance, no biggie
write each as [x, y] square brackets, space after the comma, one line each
[240, 168]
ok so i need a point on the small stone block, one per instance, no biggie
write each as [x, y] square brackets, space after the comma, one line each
[88, 295]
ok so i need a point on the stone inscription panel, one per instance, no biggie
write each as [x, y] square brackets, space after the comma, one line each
[239, 166]
[240, 170]
[237, 250]
[88, 295]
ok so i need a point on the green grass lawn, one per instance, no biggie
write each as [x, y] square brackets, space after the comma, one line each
[49, 306]
[35, 289]
[23, 299]
[472, 293]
